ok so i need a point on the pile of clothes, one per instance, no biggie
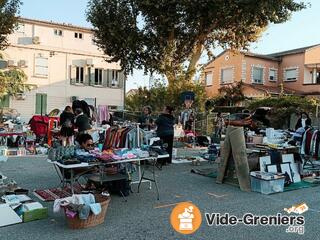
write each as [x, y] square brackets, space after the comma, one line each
[80, 205]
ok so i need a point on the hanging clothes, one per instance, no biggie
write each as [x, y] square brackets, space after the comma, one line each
[124, 137]
[103, 113]
[310, 144]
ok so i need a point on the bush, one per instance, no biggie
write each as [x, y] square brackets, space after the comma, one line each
[283, 107]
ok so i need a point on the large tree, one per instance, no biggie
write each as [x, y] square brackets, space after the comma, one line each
[170, 36]
[8, 19]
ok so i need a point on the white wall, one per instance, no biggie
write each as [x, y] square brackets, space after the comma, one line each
[62, 52]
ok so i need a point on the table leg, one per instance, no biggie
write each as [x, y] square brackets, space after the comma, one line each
[63, 179]
[154, 177]
[139, 170]
[72, 181]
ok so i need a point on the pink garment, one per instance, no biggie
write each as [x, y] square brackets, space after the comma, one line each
[103, 113]
[70, 214]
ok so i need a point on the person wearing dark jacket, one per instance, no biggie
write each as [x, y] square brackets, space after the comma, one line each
[165, 131]
[303, 121]
[82, 122]
[67, 124]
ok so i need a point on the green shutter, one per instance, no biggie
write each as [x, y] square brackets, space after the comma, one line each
[41, 103]
[5, 101]
[38, 103]
[44, 103]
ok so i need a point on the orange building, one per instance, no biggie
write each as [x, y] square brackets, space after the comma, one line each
[298, 70]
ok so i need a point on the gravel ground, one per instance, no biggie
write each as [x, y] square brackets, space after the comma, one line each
[144, 217]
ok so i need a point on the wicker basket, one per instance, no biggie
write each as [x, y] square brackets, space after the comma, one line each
[92, 220]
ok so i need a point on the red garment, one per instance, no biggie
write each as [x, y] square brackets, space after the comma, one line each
[308, 142]
[39, 125]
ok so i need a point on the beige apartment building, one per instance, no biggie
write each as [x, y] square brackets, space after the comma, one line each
[295, 71]
[64, 64]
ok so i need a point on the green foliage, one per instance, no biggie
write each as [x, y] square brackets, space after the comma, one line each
[296, 103]
[12, 81]
[283, 107]
[229, 95]
[170, 36]
[8, 11]
[160, 95]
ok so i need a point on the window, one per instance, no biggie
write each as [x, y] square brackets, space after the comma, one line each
[5, 101]
[98, 76]
[257, 75]
[272, 75]
[79, 75]
[226, 75]
[291, 74]
[58, 32]
[41, 66]
[41, 103]
[208, 78]
[20, 28]
[78, 35]
[115, 78]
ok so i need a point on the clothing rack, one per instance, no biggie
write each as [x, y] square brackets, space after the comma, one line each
[114, 133]
[310, 148]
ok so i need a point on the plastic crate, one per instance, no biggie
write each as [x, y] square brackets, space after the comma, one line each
[267, 186]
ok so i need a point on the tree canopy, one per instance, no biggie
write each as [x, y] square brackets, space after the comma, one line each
[12, 81]
[159, 96]
[8, 11]
[169, 36]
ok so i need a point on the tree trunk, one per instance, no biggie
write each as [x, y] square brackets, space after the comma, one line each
[171, 77]
[196, 54]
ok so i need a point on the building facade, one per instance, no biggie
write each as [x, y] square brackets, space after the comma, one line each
[292, 72]
[63, 64]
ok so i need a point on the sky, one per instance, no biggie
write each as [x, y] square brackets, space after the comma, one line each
[300, 31]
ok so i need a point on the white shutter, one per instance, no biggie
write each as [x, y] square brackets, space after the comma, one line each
[72, 74]
[291, 74]
[226, 75]
[208, 78]
[257, 75]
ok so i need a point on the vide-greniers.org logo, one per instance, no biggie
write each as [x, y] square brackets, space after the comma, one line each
[250, 219]
[186, 218]
[295, 224]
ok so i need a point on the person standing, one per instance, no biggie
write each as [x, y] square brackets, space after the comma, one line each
[82, 122]
[303, 121]
[219, 124]
[145, 119]
[165, 123]
[67, 125]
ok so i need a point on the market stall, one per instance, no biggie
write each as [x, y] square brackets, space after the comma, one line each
[282, 161]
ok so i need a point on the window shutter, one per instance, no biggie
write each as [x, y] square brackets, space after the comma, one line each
[110, 77]
[38, 103]
[41, 103]
[44, 103]
[92, 77]
[85, 77]
[72, 74]
[105, 80]
[88, 76]
[121, 79]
